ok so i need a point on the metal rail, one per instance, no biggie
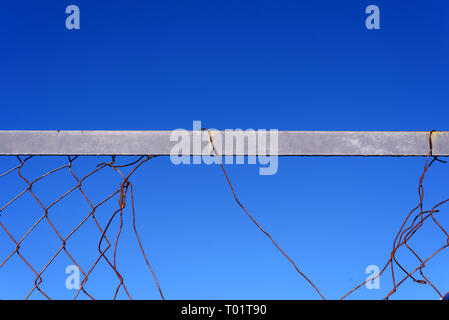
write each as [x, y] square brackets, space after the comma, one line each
[289, 143]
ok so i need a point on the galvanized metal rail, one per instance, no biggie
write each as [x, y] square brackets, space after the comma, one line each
[289, 143]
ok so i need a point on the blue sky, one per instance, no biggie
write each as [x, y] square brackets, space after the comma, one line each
[288, 65]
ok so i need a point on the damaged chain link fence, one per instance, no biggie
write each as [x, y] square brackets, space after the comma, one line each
[107, 246]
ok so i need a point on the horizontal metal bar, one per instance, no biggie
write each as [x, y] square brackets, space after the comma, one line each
[289, 143]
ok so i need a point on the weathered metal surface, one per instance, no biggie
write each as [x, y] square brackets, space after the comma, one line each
[290, 143]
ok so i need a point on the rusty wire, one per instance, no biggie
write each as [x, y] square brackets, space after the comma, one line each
[254, 220]
[416, 219]
[413, 222]
[402, 238]
[121, 193]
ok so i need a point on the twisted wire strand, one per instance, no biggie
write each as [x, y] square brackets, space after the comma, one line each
[406, 233]
[254, 220]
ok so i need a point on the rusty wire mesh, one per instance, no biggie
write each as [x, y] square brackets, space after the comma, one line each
[414, 222]
[107, 246]
[123, 197]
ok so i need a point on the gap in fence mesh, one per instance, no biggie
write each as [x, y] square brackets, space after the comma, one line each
[200, 243]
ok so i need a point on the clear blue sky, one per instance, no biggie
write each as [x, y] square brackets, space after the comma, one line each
[288, 65]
